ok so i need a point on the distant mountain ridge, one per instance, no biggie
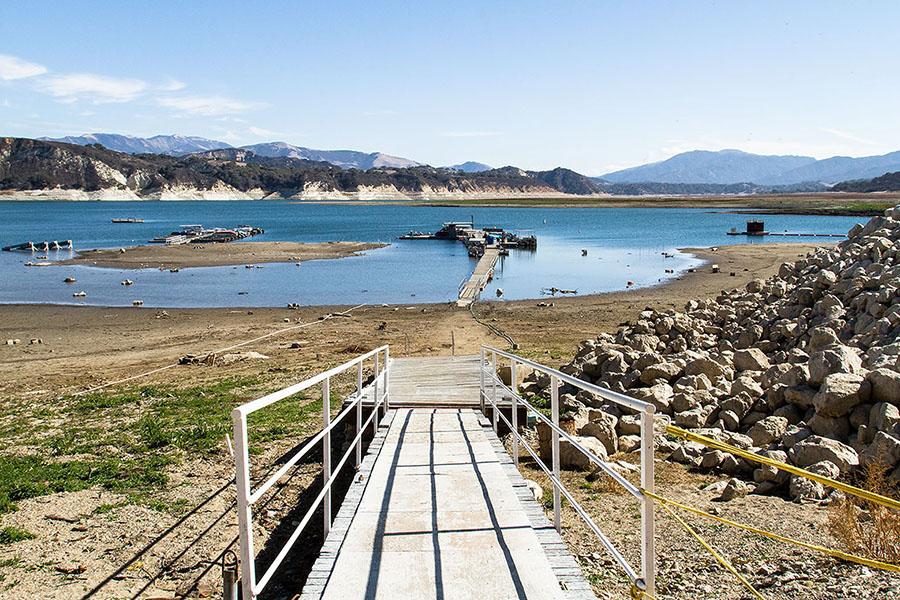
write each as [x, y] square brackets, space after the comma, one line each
[734, 167]
[471, 167]
[54, 170]
[174, 145]
[347, 159]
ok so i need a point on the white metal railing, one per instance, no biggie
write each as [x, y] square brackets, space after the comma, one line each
[247, 497]
[489, 393]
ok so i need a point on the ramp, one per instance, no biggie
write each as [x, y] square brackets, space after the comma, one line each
[442, 513]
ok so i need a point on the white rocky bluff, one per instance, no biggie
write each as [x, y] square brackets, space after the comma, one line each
[802, 367]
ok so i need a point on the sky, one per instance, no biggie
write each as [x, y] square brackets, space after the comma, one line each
[593, 86]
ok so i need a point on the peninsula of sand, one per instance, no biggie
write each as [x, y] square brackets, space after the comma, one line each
[216, 255]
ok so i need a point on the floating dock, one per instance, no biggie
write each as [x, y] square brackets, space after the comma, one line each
[39, 246]
[758, 229]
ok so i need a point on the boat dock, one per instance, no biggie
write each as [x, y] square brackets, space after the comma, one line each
[39, 246]
[758, 229]
[483, 273]
[487, 244]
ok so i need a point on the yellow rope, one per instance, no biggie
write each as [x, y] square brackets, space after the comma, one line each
[829, 551]
[844, 487]
[722, 560]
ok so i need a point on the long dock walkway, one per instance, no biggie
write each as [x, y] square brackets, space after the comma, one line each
[438, 510]
[468, 293]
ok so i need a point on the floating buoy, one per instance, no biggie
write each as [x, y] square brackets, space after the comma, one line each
[583, 252]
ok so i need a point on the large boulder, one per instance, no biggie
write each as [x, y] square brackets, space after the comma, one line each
[751, 359]
[571, 457]
[885, 386]
[603, 430]
[666, 371]
[802, 488]
[833, 359]
[816, 449]
[767, 431]
[839, 393]
[884, 451]
[708, 367]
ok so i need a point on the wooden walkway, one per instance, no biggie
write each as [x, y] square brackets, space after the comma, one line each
[479, 278]
[447, 381]
[438, 509]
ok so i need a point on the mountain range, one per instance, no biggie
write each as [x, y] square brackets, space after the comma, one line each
[179, 145]
[55, 170]
[734, 166]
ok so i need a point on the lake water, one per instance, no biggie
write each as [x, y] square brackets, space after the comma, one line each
[623, 244]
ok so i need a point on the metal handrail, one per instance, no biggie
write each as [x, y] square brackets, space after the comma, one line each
[646, 581]
[247, 497]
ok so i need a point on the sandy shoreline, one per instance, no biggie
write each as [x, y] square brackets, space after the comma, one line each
[215, 255]
[81, 345]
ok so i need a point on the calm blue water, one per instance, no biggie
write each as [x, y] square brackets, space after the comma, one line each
[624, 244]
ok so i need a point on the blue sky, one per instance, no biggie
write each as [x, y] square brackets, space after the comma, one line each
[593, 86]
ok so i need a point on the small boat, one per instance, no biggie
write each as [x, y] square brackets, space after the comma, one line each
[499, 292]
[127, 282]
[81, 294]
[137, 302]
[503, 252]
[583, 252]
[128, 220]
[416, 235]
[69, 280]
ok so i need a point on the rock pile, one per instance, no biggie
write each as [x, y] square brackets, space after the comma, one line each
[803, 367]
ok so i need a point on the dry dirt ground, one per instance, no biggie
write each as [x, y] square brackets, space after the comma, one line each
[162, 536]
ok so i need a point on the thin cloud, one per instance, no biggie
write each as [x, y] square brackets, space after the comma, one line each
[172, 85]
[470, 134]
[95, 88]
[387, 112]
[207, 106]
[16, 68]
[261, 132]
[844, 135]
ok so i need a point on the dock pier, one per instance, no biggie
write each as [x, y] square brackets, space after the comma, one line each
[483, 273]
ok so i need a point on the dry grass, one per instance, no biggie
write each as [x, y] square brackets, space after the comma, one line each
[864, 527]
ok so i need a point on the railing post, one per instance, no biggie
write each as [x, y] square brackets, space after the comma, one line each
[494, 389]
[244, 508]
[648, 527]
[515, 411]
[481, 372]
[359, 409]
[387, 379]
[326, 450]
[554, 415]
[375, 402]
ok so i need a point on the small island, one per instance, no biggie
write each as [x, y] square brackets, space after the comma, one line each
[215, 255]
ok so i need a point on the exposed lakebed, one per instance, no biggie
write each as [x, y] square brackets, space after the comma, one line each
[622, 244]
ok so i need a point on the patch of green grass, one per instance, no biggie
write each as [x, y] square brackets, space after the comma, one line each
[11, 535]
[23, 477]
[125, 439]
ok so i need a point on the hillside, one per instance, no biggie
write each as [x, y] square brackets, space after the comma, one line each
[35, 168]
[889, 182]
[841, 168]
